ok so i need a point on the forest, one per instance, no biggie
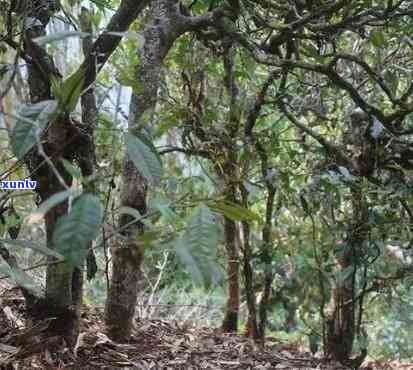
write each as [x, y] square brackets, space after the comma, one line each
[206, 184]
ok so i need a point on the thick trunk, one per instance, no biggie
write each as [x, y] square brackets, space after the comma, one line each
[59, 277]
[58, 301]
[167, 25]
[230, 323]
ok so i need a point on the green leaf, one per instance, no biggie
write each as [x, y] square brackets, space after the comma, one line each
[31, 122]
[102, 4]
[363, 340]
[48, 204]
[147, 238]
[145, 158]
[197, 247]
[135, 36]
[74, 231]
[131, 212]
[58, 36]
[162, 205]
[19, 277]
[311, 50]
[342, 276]
[392, 80]
[71, 169]
[33, 246]
[378, 39]
[183, 251]
[202, 231]
[314, 341]
[69, 91]
[233, 211]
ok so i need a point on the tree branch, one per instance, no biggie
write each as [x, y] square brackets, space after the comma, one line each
[108, 41]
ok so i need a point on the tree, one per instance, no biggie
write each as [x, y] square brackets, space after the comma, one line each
[64, 139]
[167, 25]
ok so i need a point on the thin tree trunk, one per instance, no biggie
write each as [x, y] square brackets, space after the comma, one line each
[341, 323]
[86, 161]
[230, 175]
[340, 320]
[267, 244]
[266, 258]
[252, 326]
[127, 255]
[230, 322]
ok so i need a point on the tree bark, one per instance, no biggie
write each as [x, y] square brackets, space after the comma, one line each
[252, 325]
[230, 322]
[340, 320]
[341, 323]
[127, 255]
[266, 251]
[229, 172]
[266, 257]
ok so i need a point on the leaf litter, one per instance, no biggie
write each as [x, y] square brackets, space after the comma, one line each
[155, 344]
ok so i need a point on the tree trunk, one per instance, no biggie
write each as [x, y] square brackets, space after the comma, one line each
[252, 326]
[341, 323]
[229, 172]
[127, 256]
[266, 249]
[230, 323]
[126, 260]
[58, 301]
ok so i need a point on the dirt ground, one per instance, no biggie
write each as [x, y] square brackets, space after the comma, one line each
[155, 344]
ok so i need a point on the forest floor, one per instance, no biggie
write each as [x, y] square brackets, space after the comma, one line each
[155, 344]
